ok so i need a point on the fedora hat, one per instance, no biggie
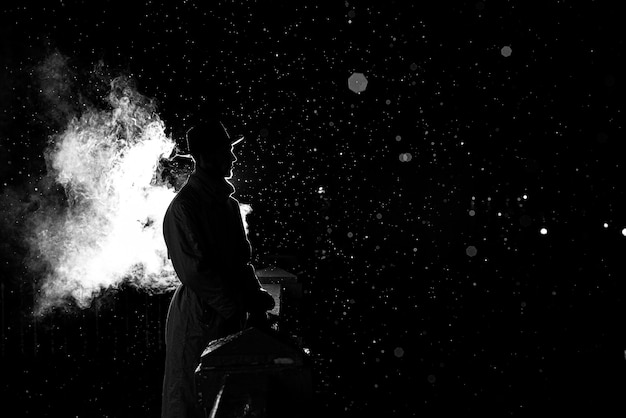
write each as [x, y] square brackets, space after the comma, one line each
[208, 135]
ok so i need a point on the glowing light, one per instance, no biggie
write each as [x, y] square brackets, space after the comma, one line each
[624, 232]
[405, 157]
[543, 231]
[506, 51]
[357, 82]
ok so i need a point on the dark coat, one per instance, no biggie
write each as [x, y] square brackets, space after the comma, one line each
[207, 244]
[211, 255]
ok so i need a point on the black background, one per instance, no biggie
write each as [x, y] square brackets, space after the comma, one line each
[400, 317]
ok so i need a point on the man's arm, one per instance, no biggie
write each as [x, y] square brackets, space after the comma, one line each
[254, 296]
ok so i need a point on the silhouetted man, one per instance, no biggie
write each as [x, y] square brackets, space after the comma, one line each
[208, 247]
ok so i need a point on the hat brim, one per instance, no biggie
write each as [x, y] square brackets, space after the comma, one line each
[237, 139]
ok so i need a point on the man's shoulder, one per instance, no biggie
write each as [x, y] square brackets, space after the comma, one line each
[188, 193]
[190, 198]
[183, 200]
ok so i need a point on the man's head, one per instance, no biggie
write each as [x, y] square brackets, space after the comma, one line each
[211, 146]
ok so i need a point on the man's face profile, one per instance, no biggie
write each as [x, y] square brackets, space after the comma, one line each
[220, 160]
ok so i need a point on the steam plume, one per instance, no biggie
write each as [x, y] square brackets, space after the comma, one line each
[107, 229]
[245, 210]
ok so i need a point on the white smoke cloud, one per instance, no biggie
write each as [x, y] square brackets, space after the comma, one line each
[106, 230]
[109, 230]
[245, 210]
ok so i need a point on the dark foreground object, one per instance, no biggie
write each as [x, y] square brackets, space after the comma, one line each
[254, 374]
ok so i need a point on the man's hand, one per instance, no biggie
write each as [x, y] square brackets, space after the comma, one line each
[259, 319]
[261, 301]
[232, 325]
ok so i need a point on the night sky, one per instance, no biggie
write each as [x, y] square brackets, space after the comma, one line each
[458, 226]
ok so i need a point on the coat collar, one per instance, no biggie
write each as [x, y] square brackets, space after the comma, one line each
[212, 182]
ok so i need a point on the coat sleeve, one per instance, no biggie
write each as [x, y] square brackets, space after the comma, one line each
[193, 267]
[250, 284]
